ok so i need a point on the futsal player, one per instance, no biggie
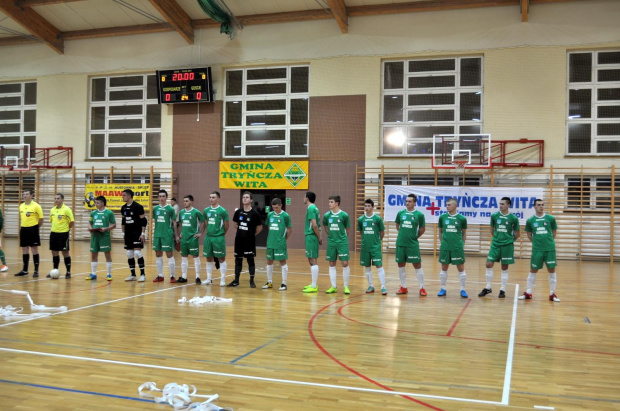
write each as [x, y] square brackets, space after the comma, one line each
[452, 235]
[248, 224]
[313, 240]
[372, 230]
[164, 218]
[62, 221]
[31, 217]
[336, 222]
[134, 226]
[100, 224]
[280, 229]
[190, 220]
[410, 224]
[216, 222]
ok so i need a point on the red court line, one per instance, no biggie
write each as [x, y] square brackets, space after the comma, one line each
[548, 347]
[324, 351]
[458, 318]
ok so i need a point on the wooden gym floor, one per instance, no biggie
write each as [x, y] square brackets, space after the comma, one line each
[269, 349]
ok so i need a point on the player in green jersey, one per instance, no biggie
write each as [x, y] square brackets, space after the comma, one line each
[410, 224]
[164, 219]
[312, 232]
[372, 231]
[541, 230]
[505, 231]
[336, 223]
[452, 234]
[188, 232]
[100, 224]
[216, 225]
[280, 229]
[3, 267]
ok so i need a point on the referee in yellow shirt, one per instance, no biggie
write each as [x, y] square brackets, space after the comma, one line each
[62, 220]
[31, 217]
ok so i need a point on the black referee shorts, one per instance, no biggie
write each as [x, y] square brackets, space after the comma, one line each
[29, 236]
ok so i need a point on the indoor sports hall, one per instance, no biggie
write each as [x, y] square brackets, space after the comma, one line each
[475, 100]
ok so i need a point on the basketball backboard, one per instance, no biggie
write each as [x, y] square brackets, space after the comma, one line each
[461, 151]
[15, 157]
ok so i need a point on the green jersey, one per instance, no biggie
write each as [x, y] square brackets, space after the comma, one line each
[102, 219]
[542, 232]
[504, 228]
[163, 218]
[190, 223]
[215, 218]
[409, 223]
[371, 229]
[337, 224]
[452, 227]
[277, 223]
[312, 214]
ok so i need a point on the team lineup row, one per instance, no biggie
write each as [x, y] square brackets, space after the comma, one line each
[181, 229]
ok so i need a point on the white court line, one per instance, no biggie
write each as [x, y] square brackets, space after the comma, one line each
[251, 377]
[511, 346]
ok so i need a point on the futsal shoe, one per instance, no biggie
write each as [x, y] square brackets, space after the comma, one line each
[198, 282]
[131, 278]
[383, 291]
[4, 268]
[347, 291]
[233, 283]
[283, 287]
[441, 293]
[21, 273]
[267, 285]
[68, 276]
[331, 290]
[172, 280]
[91, 277]
[108, 277]
[311, 289]
[402, 291]
[35, 274]
[222, 282]
[484, 292]
[182, 280]
[370, 289]
[464, 294]
[252, 283]
[554, 298]
[502, 294]
[158, 279]
[422, 292]
[142, 278]
[527, 296]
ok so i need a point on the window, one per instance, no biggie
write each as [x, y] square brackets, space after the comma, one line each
[125, 118]
[593, 125]
[18, 113]
[592, 193]
[266, 112]
[421, 98]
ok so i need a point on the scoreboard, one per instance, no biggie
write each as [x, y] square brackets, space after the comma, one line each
[184, 85]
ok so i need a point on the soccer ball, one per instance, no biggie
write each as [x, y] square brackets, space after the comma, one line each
[55, 273]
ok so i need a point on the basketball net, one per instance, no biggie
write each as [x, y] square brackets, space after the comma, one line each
[459, 164]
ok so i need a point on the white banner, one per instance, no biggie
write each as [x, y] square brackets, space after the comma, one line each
[475, 203]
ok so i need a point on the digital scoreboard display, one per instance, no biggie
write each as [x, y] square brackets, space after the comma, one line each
[185, 85]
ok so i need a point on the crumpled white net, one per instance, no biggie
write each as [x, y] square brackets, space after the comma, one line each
[180, 397]
[207, 299]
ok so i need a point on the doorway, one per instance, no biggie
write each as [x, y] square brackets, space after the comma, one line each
[262, 204]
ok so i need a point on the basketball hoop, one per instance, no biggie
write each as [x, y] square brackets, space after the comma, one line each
[459, 164]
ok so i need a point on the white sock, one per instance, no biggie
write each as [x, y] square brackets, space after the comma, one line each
[402, 274]
[443, 279]
[504, 280]
[552, 283]
[314, 270]
[223, 270]
[159, 262]
[381, 273]
[420, 273]
[462, 278]
[284, 273]
[172, 265]
[93, 267]
[209, 270]
[270, 273]
[332, 276]
[184, 264]
[346, 275]
[368, 273]
[197, 266]
[531, 279]
[108, 265]
[489, 277]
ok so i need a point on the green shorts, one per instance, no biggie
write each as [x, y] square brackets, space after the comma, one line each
[454, 257]
[163, 243]
[277, 254]
[539, 258]
[337, 252]
[371, 257]
[409, 254]
[504, 254]
[214, 246]
[100, 243]
[312, 246]
[190, 247]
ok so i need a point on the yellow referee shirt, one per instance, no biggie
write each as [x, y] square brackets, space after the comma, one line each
[60, 219]
[30, 214]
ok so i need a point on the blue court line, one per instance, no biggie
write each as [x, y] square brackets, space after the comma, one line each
[49, 387]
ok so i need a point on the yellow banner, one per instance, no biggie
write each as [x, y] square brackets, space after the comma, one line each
[113, 195]
[281, 175]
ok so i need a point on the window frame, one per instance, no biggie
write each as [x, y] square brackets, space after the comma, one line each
[588, 197]
[25, 137]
